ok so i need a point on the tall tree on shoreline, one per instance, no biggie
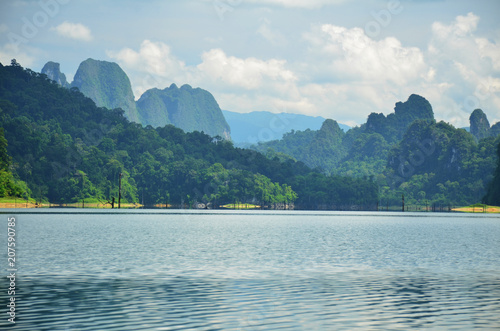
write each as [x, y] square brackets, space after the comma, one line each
[8, 185]
[492, 197]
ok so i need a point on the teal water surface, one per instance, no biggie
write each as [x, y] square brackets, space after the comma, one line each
[229, 270]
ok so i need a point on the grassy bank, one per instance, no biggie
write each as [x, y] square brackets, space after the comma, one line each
[9, 202]
[478, 208]
[240, 206]
[23, 203]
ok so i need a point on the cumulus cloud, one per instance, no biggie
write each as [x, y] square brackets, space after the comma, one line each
[249, 73]
[457, 42]
[463, 26]
[75, 31]
[154, 65]
[457, 73]
[351, 54]
[24, 56]
[153, 57]
[470, 63]
[348, 74]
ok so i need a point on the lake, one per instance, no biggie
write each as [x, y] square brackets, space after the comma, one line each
[252, 270]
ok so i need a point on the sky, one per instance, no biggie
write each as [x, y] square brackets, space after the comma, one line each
[339, 59]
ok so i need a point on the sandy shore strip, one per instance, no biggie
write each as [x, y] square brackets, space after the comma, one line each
[24, 204]
[489, 209]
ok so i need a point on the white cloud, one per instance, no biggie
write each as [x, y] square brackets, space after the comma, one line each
[154, 65]
[489, 50]
[350, 54]
[470, 65]
[75, 31]
[355, 75]
[12, 51]
[153, 57]
[249, 73]
[348, 75]
[463, 26]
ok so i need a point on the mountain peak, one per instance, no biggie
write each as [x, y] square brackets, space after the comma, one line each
[395, 124]
[416, 107]
[479, 124]
[107, 85]
[330, 126]
[186, 108]
[53, 72]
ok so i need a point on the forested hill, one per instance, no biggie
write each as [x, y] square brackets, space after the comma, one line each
[63, 148]
[405, 152]
[360, 151]
[250, 128]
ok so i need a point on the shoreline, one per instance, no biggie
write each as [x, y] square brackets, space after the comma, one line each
[30, 205]
[488, 210]
[23, 204]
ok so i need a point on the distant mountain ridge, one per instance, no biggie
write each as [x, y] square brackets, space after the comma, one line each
[331, 149]
[191, 109]
[261, 126]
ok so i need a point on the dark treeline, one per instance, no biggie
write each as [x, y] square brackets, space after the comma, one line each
[58, 146]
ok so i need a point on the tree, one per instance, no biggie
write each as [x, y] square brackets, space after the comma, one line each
[492, 196]
[4, 155]
[9, 186]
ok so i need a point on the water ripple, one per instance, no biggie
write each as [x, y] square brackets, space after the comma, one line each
[340, 301]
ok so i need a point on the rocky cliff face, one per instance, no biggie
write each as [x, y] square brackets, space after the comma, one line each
[479, 124]
[191, 109]
[108, 85]
[53, 71]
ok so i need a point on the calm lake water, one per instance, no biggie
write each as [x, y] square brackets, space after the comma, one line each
[227, 270]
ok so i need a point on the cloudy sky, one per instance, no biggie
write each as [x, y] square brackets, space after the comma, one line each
[340, 59]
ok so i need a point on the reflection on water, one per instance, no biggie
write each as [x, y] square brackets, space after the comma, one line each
[255, 272]
[340, 301]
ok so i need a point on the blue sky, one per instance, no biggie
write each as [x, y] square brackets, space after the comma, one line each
[333, 58]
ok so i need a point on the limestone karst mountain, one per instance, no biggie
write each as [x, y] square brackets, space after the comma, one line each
[107, 84]
[191, 109]
[53, 71]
